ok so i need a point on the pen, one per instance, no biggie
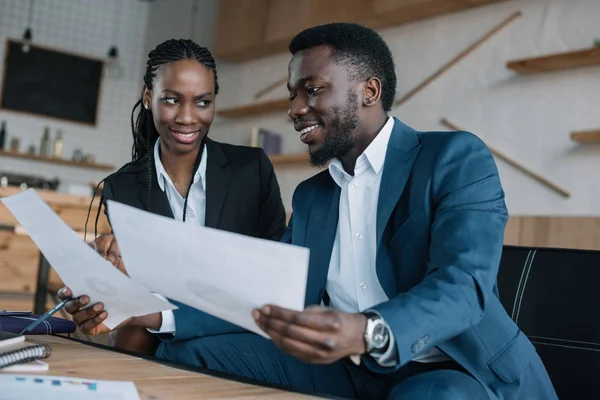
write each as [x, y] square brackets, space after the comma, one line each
[44, 317]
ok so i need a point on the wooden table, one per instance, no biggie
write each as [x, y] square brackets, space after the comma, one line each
[154, 380]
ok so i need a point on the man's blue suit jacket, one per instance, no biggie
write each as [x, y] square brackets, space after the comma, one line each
[440, 229]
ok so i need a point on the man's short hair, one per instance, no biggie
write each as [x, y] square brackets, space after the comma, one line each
[360, 49]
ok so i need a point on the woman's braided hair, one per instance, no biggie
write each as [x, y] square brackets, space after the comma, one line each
[142, 127]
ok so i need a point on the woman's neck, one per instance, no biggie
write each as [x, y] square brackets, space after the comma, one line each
[179, 167]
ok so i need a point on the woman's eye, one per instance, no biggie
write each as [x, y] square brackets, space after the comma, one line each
[204, 103]
[170, 100]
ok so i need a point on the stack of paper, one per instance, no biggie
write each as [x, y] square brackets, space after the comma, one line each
[221, 273]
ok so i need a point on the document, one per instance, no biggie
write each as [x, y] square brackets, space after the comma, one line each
[221, 273]
[27, 387]
[78, 265]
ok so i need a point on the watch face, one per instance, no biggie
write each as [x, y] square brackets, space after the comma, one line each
[380, 335]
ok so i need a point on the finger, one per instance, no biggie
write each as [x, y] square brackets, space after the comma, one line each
[304, 351]
[99, 244]
[319, 319]
[113, 254]
[74, 305]
[80, 316]
[93, 323]
[64, 293]
[321, 340]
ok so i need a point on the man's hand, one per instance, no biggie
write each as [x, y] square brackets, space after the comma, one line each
[318, 335]
[89, 319]
[107, 247]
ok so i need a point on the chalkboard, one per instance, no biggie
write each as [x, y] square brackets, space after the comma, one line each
[51, 83]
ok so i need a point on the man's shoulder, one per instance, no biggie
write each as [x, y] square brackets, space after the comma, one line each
[127, 172]
[449, 141]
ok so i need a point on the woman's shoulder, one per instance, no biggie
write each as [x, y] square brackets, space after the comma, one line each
[127, 173]
[237, 154]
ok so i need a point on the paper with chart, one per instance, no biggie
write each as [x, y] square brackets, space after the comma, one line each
[27, 387]
[221, 273]
[78, 265]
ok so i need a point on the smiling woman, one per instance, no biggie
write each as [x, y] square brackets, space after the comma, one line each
[178, 172]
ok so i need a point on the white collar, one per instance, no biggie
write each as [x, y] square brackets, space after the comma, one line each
[162, 176]
[373, 156]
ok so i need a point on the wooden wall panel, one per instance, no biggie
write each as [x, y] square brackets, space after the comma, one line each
[240, 28]
[248, 29]
[561, 232]
[18, 263]
[512, 233]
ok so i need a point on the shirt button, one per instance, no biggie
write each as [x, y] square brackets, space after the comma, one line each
[363, 286]
[359, 236]
[354, 185]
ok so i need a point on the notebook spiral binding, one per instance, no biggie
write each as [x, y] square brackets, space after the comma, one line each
[22, 356]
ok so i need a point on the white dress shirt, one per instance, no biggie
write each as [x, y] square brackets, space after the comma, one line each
[352, 282]
[195, 211]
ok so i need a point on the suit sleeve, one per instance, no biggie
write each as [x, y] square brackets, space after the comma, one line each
[191, 323]
[271, 215]
[467, 234]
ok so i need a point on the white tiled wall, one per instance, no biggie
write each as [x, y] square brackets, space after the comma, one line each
[85, 27]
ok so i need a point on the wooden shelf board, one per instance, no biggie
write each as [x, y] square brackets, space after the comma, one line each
[256, 108]
[289, 159]
[587, 137]
[557, 61]
[52, 160]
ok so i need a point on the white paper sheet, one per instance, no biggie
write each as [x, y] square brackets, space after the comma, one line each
[78, 265]
[221, 273]
[28, 387]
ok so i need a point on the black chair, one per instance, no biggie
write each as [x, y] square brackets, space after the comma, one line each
[554, 297]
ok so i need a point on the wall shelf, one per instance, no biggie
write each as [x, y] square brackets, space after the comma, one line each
[256, 108]
[557, 61]
[586, 137]
[289, 159]
[52, 160]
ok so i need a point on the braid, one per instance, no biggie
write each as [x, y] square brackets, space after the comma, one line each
[142, 127]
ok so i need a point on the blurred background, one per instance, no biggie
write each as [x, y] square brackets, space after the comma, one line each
[523, 75]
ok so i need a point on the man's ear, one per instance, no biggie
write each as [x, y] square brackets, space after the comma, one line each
[146, 98]
[372, 92]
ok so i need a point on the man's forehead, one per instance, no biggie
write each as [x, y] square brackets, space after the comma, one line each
[314, 62]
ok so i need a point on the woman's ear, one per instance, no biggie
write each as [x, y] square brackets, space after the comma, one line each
[146, 98]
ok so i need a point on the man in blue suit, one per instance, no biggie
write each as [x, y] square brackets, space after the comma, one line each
[405, 230]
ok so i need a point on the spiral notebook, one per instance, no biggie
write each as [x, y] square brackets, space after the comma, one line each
[15, 350]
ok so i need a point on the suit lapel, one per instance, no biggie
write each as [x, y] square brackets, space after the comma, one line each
[218, 175]
[402, 151]
[320, 235]
[159, 204]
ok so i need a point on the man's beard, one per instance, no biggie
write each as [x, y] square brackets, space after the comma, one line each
[339, 138]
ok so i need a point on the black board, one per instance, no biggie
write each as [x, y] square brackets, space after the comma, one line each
[51, 83]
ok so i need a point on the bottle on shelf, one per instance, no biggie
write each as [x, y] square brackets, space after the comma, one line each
[45, 144]
[58, 145]
[3, 135]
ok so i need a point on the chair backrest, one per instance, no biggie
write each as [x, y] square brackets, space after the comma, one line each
[554, 297]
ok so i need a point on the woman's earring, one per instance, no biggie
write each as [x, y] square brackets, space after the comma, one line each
[146, 106]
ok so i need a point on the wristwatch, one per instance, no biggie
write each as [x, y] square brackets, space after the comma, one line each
[376, 334]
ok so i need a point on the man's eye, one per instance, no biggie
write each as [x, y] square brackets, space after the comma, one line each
[312, 90]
